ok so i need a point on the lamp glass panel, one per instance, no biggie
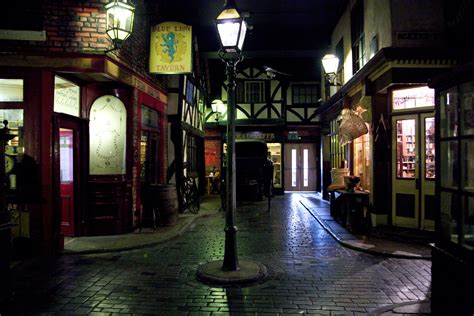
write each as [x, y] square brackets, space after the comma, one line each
[231, 13]
[119, 20]
[330, 63]
[243, 31]
[228, 33]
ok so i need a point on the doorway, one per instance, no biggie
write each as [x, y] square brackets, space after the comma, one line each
[67, 154]
[413, 171]
[300, 167]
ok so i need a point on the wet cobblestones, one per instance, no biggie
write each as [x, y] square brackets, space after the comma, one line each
[308, 273]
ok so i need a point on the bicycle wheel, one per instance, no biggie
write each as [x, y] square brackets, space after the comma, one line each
[194, 204]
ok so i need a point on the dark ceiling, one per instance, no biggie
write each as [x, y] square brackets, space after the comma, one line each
[288, 35]
[281, 25]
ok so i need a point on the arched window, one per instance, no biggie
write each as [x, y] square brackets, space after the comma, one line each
[107, 133]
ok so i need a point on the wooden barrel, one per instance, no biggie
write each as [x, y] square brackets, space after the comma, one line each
[165, 199]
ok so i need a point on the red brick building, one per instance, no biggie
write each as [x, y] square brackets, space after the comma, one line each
[86, 120]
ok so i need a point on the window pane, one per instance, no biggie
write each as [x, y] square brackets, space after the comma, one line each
[66, 97]
[15, 124]
[449, 216]
[406, 148]
[107, 129]
[469, 223]
[430, 148]
[467, 108]
[66, 166]
[305, 167]
[293, 167]
[449, 113]
[11, 90]
[467, 170]
[448, 159]
[413, 98]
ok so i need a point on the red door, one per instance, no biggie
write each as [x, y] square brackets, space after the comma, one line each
[66, 180]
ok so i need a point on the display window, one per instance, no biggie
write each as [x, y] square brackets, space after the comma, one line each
[457, 165]
[361, 166]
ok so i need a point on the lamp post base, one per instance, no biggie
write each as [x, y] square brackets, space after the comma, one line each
[249, 272]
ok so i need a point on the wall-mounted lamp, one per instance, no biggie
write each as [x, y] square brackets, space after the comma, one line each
[330, 65]
[218, 107]
[120, 14]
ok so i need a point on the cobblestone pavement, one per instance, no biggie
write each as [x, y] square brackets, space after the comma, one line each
[309, 272]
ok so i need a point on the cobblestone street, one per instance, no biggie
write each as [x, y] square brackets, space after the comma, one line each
[309, 272]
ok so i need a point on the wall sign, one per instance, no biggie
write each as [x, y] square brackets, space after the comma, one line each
[171, 48]
[107, 130]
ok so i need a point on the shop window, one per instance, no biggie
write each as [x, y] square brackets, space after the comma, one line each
[107, 130]
[361, 147]
[413, 98]
[457, 165]
[250, 92]
[357, 36]
[11, 90]
[305, 94]
[66, 97]
[15, 124]
[337, 152]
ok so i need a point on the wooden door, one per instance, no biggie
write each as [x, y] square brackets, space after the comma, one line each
[68, 173]
[413, 173]
[300, 167]
[66, 180]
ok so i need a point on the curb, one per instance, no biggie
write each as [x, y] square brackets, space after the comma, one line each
[381, 310]
[353, 247]
[178, 233]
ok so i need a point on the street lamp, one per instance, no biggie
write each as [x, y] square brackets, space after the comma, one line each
[231, 28]
[330, 65]
[217, 108]
[120, 14]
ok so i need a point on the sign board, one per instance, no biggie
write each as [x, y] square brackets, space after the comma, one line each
[171, 48]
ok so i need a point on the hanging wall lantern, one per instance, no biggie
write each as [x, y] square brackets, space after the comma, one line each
[330, 65]
[120, 14]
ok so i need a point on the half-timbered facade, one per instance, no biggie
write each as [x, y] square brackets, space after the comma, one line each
[186, 116]
[279, 110]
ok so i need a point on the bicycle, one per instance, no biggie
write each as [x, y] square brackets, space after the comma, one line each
[190, 194]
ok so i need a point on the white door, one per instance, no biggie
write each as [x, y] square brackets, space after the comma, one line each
[300, 167]
[413, 172]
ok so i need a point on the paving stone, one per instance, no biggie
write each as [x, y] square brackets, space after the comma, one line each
[308, 271]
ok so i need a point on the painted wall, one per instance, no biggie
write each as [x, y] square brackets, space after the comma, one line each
[417, 23]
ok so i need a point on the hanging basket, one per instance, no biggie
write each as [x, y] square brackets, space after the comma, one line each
[351, 127]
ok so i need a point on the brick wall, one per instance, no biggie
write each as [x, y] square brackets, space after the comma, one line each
[79, 27]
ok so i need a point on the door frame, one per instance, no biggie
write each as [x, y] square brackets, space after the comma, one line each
[418, 221]
[79, 127]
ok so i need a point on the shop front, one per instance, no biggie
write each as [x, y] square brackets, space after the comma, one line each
[395, 157]
[76, 162]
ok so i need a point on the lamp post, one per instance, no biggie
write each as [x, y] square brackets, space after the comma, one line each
[231, 28]
[120, 14]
